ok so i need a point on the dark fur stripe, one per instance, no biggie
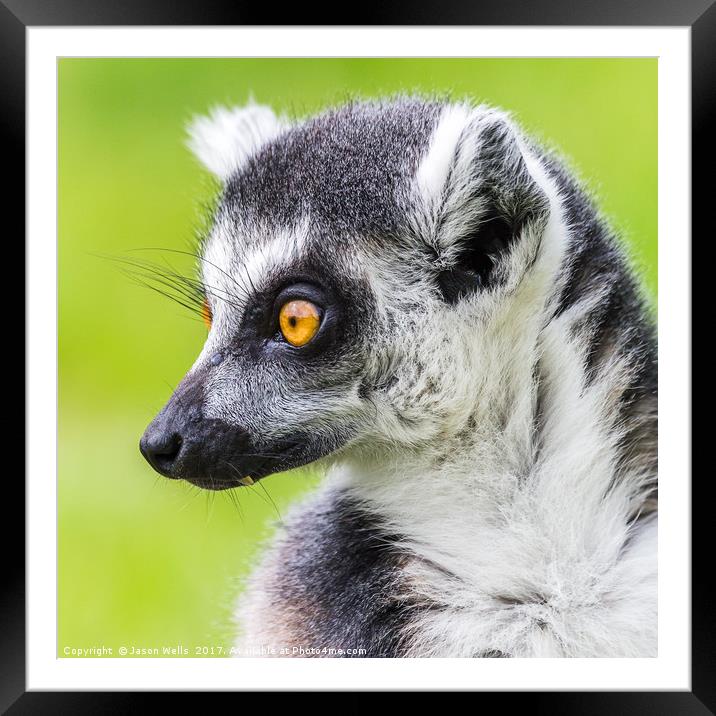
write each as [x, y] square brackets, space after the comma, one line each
[341, 567]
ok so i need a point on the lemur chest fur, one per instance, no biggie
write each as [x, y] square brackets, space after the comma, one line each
[339, 579]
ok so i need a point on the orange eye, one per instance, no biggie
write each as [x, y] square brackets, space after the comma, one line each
[206, 313]
[299, 321]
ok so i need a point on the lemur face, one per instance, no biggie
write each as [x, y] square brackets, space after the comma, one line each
[347, 269]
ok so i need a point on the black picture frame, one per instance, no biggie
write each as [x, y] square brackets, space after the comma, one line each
[699, 15]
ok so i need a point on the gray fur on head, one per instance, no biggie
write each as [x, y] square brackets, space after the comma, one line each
[484, 384]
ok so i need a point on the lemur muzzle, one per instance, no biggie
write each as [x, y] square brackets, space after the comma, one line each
[181, 443]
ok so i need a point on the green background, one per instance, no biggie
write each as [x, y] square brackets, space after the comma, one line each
[149, 562]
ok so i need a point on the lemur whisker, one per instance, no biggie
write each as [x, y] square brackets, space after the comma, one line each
[252, 488]
[209, 505]
[190, 308]
[192, 288]
[196, 256]
[275, 506]
[176, 293]
[233, 496]
[193, 493]
[191, 291]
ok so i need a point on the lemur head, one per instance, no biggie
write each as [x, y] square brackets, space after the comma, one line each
[356, 266]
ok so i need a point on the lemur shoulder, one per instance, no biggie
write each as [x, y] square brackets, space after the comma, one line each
[417, 296]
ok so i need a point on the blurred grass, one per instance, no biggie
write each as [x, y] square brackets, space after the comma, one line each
[146, 561]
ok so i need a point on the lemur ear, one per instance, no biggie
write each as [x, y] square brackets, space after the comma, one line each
[227, 138]
[479, 196]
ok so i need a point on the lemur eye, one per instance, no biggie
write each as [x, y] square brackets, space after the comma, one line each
[299, 321]
[206, 313]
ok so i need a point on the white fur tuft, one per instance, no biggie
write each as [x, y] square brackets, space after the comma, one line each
[433, 171]
[225, 139]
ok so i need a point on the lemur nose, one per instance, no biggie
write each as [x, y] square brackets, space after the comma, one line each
[160, 448]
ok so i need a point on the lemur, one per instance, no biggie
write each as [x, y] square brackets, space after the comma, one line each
[417, 296]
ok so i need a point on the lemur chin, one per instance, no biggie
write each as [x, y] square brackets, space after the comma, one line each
[416, 295]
